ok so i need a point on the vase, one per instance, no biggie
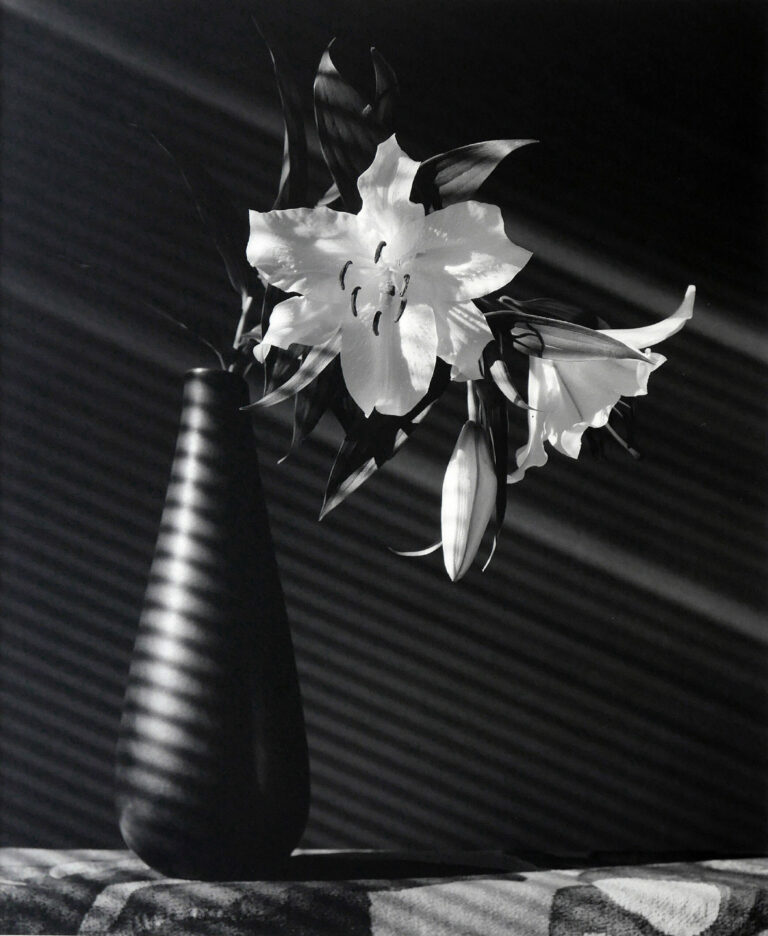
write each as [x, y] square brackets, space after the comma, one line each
[212, 769]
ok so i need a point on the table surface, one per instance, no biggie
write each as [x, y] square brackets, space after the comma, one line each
[384, 894]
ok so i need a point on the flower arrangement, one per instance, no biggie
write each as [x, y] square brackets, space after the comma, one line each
[370, 303]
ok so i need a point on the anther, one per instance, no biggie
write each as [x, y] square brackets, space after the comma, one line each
[377, 254]
[406, 280]
[399, 315]
[343, 273]
[353, 299]
[376, 320]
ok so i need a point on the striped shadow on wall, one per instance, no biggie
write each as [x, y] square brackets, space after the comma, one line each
[602, 685]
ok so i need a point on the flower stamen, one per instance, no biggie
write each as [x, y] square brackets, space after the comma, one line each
[377, 254]
[406, 281]
[376, 320]
[353, 300]
[399, 315]
[343, 273]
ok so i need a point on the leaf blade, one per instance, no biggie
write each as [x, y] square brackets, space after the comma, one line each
[347, 138]
[292, 190]
[318, 358]
[387, 90]
[456, 175]
[370, 442]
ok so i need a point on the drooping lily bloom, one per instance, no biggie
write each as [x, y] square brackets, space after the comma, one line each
[469, 498]
[391, 286]
[567, 397]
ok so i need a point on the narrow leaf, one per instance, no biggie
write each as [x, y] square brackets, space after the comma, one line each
[372, 441]
[347, 138]
[457, 175]
[281, 364]
[314, 400]
[428, 550]
[318, 358]
[386, 93]
[352, 468]
[331, 196]
[351, 482]
[292, 192]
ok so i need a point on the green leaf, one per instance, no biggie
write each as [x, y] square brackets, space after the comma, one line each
[292, 192]
[348, 135]
[457, 175]
[227, 225]
[372, 441]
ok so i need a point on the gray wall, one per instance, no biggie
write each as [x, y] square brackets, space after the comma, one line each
[602, 685]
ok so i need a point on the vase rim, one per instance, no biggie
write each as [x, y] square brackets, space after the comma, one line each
[212, 373]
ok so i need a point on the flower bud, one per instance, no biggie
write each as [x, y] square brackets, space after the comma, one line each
[469, 498]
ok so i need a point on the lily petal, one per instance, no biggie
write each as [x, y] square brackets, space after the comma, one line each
[568, 397]
[385, 188]
[649, 335]
[304, 249]
[390, 371]
[301, 320]
[533, 454]
[465, 249]
[462, 333]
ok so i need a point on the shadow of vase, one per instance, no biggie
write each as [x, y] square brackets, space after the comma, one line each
[212, 768]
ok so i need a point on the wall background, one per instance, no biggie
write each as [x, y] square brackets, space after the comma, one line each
[602, 685]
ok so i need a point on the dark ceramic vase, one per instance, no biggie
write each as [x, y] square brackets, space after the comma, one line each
[212, 771]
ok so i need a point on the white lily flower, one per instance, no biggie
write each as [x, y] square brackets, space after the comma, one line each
[567, 397]
[394, 283]
[469, 498]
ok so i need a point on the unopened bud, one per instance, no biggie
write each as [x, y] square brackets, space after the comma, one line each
[469, 498]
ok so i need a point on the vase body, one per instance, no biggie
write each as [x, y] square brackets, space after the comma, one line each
[212, 767]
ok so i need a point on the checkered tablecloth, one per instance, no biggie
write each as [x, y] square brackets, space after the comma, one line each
[382, 894]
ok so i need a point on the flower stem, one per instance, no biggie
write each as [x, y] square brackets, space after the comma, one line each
[471, 401]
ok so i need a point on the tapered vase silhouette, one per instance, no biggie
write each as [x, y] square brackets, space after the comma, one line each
[212, 768]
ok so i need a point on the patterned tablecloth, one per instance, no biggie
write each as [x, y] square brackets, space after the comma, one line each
[381, 894]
